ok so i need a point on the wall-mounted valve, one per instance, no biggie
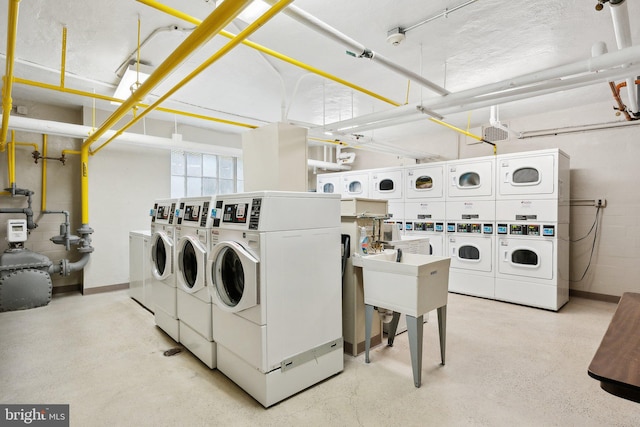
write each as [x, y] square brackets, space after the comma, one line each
[37, 156]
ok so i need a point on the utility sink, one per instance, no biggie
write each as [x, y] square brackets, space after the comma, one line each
[414, 286]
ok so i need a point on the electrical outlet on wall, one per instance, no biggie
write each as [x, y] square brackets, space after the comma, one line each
[601, 201]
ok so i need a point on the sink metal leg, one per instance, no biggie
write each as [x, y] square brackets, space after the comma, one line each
[414, 329]
[393, 327]
[368, 318]
[442, 329]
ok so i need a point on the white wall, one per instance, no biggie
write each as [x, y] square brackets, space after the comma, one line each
[124, 181]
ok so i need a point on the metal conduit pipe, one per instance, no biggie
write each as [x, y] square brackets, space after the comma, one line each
[7, 103]
[28, 212]
[361, 51]
[216, 21]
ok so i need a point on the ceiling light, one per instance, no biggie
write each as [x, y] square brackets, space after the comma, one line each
[131, 79]
[253, 11]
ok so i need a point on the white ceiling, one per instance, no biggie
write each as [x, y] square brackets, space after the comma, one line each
[482, 43]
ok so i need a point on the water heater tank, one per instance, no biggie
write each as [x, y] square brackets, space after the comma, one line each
[24, 280]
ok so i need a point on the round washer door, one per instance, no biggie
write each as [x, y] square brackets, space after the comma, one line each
[192, 260]
[161, 256]
[234, 277]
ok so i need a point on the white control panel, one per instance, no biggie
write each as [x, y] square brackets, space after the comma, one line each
[17, 230]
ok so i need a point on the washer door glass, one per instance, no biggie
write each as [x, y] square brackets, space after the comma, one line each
[328, 188]
[192, 259]
[524, 257]
[355, 187]
[234, 273]
[424, 182]
[386, 185]
[232, 277]
[162, 256]
[469, 253]
[524, 176]
[189, 265]
[469, 180]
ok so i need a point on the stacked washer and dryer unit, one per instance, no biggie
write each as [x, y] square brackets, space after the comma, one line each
[163, 243]
[532, 212]
[193, 245]
[425, 209]
[274, 274]
[470, 237]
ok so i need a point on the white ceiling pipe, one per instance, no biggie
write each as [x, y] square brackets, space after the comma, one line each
[527, 86]
[70, 130]
[403, 110]
[360, 50]
[574, 129]
[502, 98]
[327, 165]
[622, 30]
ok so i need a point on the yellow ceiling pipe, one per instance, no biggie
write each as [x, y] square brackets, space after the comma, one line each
[11, 156]
[41, 85]
[275, 9]
[181, 15]
[84, 183]
[63, 60]
[43, 201]
[7, 103]
[218, 19]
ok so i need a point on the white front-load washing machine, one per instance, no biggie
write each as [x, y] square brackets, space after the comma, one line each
[532, 264]
[163, 267]
[425, 182]
[275, 276]
[471, 248]
[533, 187]
[387, 184]
[329, 183]
[471, 179]
[355, 184]
[193, 237]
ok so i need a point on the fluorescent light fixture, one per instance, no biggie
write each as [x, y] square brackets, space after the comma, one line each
[129, 79]
[253, 11]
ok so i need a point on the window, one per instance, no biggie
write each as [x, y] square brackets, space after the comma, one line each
[199, 174]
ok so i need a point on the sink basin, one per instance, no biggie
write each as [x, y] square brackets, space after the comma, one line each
[414, 286]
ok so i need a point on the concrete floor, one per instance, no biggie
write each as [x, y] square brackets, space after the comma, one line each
[506, 365]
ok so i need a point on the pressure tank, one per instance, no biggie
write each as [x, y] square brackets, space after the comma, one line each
[24, 280]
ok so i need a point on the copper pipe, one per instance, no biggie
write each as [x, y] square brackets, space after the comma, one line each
[616, 95]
